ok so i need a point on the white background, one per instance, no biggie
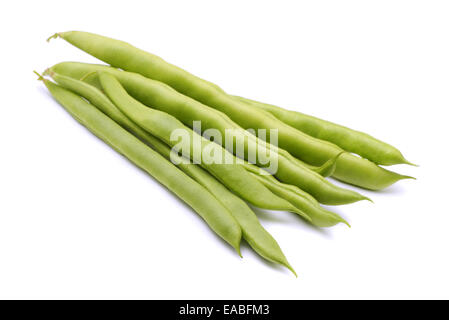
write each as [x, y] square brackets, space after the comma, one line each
[77, 220]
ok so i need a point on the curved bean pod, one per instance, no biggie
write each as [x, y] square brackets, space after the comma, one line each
[348, 139]
[253, 232]
[158, 95]
[350, 169]
[196, 196]
[320, 216]
[303, 201]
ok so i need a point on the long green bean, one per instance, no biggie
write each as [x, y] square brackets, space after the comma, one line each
[350, 140]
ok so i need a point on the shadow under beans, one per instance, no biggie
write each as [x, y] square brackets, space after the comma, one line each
[396, 189]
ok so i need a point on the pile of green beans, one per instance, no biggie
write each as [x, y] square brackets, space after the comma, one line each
[139, 100]
[119, 54]
[159, 96]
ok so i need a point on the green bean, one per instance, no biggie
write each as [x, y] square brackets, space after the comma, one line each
[253, 232]
[350, 169]
[328, 168]
[319, 216]
[196, 196]
[157, 95]
[348, 139]
[161, 125]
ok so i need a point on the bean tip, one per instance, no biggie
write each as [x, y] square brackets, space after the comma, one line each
[239, 252]
[236, 246]
[411, 163]
[289, 267]
[40, 77]
[341, 220]
[48, 72]
[54, 36]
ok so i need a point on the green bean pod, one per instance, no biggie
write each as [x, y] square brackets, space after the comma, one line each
[348, 139]
[319, 216]
[196, 196]
[328, 168]
[158, 95]
[253, 232]
[161, 125]
[350, 169]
